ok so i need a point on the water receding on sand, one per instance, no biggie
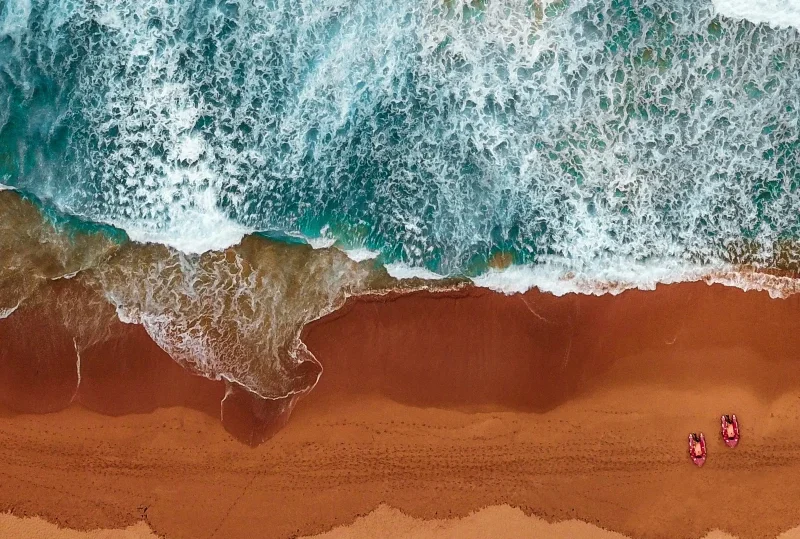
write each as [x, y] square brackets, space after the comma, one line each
[234, 315]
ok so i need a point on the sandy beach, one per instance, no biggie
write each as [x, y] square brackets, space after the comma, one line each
[450, 269]
[432, 407]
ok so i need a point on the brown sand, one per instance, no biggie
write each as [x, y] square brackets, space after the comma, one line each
[438, 406]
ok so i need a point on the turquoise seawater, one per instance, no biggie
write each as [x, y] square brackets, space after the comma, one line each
[435, 132]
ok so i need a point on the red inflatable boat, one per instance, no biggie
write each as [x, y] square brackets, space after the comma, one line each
[729, 427]
[697, 449]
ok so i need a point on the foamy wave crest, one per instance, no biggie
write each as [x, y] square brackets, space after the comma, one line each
[778, 13]
[777, 286]
[323, 241]
[320, 243]
[194, 229]
[5, 312]
[400, 271]
[558, 277]
[360, 254]
[435, 132]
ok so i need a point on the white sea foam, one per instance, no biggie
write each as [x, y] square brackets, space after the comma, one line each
[775, 285]
[15, 18]
[315, 242]
[219, 235]
[360, 254]
[556, 277]
[320, 243]
[192, 230]
[776, 13]
[440, 128]
[5, 312]
[323, 241]
[399, 270]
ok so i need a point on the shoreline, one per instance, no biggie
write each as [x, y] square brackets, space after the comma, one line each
[436, 405]
[384, 521]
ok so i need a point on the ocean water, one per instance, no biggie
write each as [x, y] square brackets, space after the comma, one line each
[175, 156]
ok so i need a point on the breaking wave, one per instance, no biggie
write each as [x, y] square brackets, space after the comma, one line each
[777, 13]
[436, 133]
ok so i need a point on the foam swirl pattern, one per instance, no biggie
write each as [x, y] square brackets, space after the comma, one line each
[437, 132]
[234, 315]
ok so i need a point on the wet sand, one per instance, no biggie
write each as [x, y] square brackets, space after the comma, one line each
[438, 406]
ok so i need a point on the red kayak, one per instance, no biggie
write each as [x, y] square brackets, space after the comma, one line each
[729, 427]
[697, 449]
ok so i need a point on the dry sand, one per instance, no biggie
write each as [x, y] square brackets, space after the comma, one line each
[572, 408]
[12, 527]
[490, 522]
